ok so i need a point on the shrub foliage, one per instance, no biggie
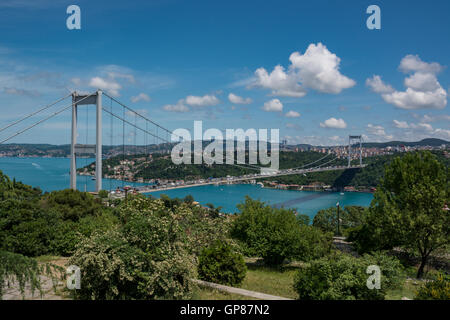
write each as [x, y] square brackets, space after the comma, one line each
[277, 234]
[343, 277]
[220, 263]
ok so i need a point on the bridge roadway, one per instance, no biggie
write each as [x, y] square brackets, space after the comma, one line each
[230, 180]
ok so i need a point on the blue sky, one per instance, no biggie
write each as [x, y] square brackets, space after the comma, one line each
[310, 68]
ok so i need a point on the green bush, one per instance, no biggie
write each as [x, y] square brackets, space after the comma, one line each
[103, 194]
[438, 289]
[71, 204]
[145, 258]
[277, 234]
[350, 217]
[219, 263]
[343, 277]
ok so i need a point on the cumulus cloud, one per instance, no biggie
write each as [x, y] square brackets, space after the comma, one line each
[206, 100]
[273, 105]
[292, 114]
[238, 100]
[421, 130]
[140, 97]
[432, 118]
[412, 63]
[423, 90]
[108, 85]
[194, 101]
[334, 123]
[378, 132]
[316, 69]
[280, 82]
[419, 126]
[179, 107]
[378, 86]
[400, 124]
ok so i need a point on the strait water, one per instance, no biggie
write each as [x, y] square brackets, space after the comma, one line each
[51, 174]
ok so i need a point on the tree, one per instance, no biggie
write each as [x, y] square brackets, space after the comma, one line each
[350, 217]
[277, 234]
[103, 194]
[408, 207]
[220, 263]
[144, 258]
[344, 277]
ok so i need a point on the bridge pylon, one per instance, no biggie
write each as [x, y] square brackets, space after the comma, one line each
[350, 139]
[78, 100]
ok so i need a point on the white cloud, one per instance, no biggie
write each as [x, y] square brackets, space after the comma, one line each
[336, 138]
[316, 69]
[179, 107]
[21, 92]
[419, 131]
[420, 126]
[238, 100]
[334, 123]
[280, 82]
[412, 63]
[194, 101]
[140, 97]
[378, 132]
[109, 85]
[422, 82]
[273, 105]
[423, 90]
[411, 99]
[118, 75]
[432, 118]
[292, 114]
[401, 124]
[378, 86]
[442, 134]
[206, 100]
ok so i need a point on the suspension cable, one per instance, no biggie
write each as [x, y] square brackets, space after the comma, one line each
[326, 163]
[140, 115]
[43, 120]
[34, 113]
[131, 124]
[308, 164]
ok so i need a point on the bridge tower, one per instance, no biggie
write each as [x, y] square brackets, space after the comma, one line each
[350, 139]
[78, 100]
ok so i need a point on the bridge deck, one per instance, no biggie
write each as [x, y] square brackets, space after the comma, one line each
[255, 177]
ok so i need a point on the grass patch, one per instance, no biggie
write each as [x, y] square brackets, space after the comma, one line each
[408, 290]
[204, 293]
[274, 281]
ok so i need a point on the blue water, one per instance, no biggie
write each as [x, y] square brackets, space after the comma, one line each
[305, 202]
[53, 174]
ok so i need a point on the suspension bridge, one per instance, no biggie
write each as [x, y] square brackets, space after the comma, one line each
[123, 118]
